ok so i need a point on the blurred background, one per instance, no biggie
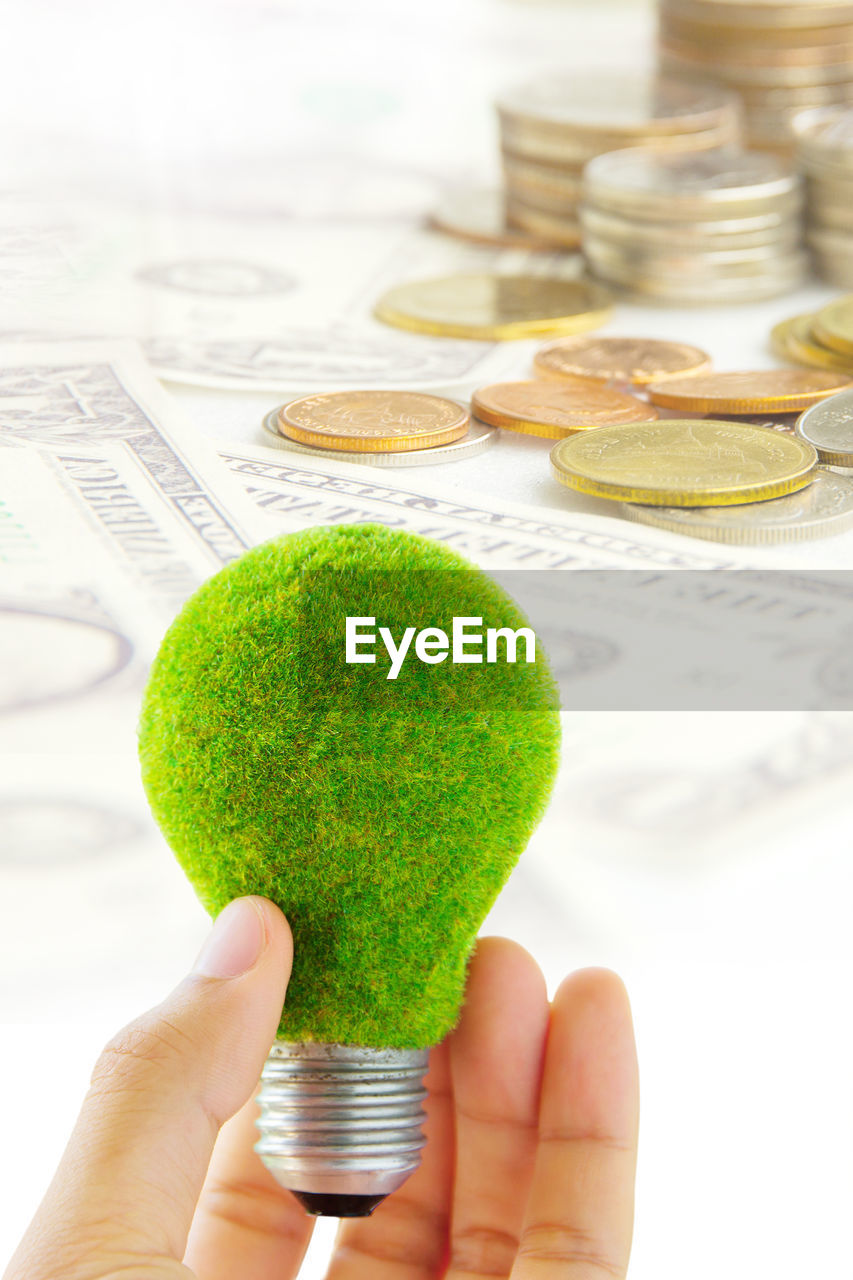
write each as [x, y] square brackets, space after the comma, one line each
[704, 857]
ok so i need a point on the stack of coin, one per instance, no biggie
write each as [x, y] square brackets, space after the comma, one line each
[384, 428]
[724, 481]
[825, 152]
[823, 340]
[552, 127]
[779, 57]
[715, 226]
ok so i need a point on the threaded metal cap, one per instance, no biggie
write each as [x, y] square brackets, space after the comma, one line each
[341, 1124]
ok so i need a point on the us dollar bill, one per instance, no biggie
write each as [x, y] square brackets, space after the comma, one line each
[156, 495]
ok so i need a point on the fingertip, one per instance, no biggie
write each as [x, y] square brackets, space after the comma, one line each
[505, 968]
[592, 1051]
[594, 989]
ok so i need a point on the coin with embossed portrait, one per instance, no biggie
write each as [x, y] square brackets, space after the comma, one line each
[684, 463]
[829, 428]
[630, 360]
[556, 409]
[754, 391]
[373, 421]
[477, 438]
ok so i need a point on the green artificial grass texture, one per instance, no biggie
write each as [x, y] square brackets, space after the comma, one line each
[382, 816]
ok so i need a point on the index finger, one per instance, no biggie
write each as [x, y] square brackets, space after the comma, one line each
[580, 1214]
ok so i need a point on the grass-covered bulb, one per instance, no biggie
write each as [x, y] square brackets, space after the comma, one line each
[381, 814]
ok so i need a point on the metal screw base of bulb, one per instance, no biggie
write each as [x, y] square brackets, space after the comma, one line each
[341, 1124]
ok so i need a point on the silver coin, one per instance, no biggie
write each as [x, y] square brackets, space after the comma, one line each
[828, 426]
[563, 230]
[691, 260]
[553, 181]
[702, 237]
[540, 188]
[479, 214]
[825, 141]
[806, 97]
[705, 293]
[823, 508]
[617, 102]
[723, 183]
[478, 438]
[529, 141]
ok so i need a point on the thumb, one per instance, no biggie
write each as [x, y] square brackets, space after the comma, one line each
[127, 1186]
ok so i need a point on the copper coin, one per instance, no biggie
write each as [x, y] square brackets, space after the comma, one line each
[556, 410]
[373, 421]
[759, 391]
[631, 360]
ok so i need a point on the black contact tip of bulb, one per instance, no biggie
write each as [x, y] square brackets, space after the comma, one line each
[325, 1204]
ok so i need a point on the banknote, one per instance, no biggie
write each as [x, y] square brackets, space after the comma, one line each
[286, 308]
[491, 531]
[149, 465]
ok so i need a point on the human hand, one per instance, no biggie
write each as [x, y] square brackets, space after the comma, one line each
[528, 1170]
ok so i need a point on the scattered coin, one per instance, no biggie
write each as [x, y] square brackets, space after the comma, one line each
[684, 463]
[480, 215]
[373, 421]
[833, 325]
[828, 427]
[476, 439]
[794, 340]
[490, 306]
[781, 390]
[824, 507]
[555, 410]
[624, 360]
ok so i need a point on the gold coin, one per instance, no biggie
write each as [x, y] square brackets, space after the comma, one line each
[759, 391]
[684, 463]
[556, 410]
[833, 325]
[494, 306]
[793, 340]
[635, 360]
[373, 421]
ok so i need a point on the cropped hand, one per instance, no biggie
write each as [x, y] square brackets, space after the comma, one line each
[528, 1170]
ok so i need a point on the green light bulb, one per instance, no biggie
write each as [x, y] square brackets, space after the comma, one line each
[381, 814]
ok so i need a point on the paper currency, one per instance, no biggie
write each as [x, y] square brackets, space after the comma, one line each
[492, 532]
[151, 481]
[288, 309]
